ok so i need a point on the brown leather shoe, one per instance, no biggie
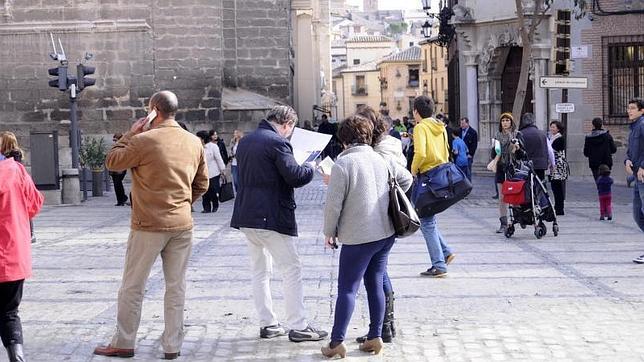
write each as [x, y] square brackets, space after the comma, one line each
[172, 355]
[110, 351]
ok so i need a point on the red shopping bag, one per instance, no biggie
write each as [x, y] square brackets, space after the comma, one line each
[514, 192]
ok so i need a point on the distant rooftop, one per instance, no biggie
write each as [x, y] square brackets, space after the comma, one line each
[369, 39]
[407, 55]
[366, 67]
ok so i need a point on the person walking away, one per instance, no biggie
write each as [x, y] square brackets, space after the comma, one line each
[20, 201]
[117, 179]
[559, 172]
[604, 185]
[471, 139]
[634, 163]
[460, 153]
[356, 214]
[506, 138]
[331, 129]
[234, 142]
[216, 167]
[535, 142]
[599, 147]
[431, 149]
[168, 172]
[265, 212]
[389, 148]
[9, 148]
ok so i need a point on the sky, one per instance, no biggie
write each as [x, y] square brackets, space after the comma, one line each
[395, 4]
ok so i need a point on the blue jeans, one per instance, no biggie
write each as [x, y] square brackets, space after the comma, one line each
[367, 261]
[436, 245]
[466, 170]
[234, 170]
[469, 168]
[638, 204]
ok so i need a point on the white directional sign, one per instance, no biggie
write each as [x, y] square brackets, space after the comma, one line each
[565, 107]
[563, 82]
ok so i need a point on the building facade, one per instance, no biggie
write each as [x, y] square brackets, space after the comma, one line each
[400, 81]
[434, 77]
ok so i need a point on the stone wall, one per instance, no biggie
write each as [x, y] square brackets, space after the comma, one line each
[139, 47]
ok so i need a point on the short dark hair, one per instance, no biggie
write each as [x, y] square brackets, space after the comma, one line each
[424, 106]
[212, 132]
[604, 170]
[598, 123]
[456, 132]
[204, 135]
[639, 102]
[165, 102]
[559, 125]
[465, 119]
[355, 129]
[380, 127]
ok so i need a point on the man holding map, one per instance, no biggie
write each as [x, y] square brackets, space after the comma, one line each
[265, 213]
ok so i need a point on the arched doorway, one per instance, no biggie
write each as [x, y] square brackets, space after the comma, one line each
[509, 80]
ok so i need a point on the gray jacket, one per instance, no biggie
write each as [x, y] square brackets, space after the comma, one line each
[391, 149]
[635, 151]
[357, 199]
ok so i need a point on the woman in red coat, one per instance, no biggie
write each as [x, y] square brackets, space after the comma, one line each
[19, 202]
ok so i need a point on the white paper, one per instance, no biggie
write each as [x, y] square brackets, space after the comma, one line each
[307, 145]
[326, 165]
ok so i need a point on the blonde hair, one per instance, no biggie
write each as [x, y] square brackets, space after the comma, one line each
[8, 143]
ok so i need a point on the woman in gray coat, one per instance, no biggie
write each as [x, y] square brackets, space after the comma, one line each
[356, 214]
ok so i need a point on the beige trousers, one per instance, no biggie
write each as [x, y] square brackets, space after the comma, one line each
[143, 247]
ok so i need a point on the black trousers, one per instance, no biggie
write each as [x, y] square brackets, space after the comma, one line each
[117, 180]
[210, 200]
[10, 326]
[559, 193]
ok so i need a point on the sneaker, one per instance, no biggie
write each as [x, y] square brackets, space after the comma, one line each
[601, 218]
[434, 273]
[450, 258]
[639, 260]
[272, 331]
[307, 334]
[610, 218]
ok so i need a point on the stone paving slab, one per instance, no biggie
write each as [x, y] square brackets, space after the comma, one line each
[576, 297]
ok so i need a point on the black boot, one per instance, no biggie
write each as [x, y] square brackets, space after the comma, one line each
[15, 353]
[388, 327]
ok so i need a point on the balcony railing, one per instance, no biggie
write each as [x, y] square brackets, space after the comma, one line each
[359, 90]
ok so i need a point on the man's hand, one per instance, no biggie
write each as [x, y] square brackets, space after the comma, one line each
[640, 174]
[628, 165]
[137, 127]
[326, 178]
[331, 242]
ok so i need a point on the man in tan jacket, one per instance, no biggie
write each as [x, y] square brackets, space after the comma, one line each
[168, 173]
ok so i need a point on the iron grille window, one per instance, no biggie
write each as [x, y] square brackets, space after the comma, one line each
[624, 56]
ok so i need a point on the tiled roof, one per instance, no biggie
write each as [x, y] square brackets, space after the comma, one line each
[408, 55]
[366, 67]
[369, 39]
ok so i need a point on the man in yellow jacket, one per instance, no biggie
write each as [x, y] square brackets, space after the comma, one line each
[430, 150]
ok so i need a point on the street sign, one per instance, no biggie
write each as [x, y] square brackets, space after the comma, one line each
[564, 107]
[563, 82]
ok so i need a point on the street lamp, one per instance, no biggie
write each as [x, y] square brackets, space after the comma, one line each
[427, 4]
[427, 29]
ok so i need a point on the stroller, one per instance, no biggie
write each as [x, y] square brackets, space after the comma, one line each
[528, 199]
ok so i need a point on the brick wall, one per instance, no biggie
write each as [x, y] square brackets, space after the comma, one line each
[595, 66]
[139, 47]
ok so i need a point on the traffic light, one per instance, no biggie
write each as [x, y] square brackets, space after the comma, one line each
[60, 81]
[562, 42]
[82, 71]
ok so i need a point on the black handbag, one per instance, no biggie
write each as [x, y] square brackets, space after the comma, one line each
[401, 211]
[226, 192]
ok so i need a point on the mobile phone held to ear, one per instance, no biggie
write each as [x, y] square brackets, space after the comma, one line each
[148, 120]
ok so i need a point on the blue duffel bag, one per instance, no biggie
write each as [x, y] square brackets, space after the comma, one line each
[439, 188]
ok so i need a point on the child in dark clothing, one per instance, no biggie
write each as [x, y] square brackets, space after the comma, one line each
[604, 183]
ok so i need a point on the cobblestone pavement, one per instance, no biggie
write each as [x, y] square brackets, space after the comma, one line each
[574, 297]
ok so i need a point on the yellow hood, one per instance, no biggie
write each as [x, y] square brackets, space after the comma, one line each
[435, 126]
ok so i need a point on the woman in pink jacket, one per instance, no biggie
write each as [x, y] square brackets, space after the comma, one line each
[19, 202]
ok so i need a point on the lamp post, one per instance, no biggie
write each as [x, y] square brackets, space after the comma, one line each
[427, 29]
